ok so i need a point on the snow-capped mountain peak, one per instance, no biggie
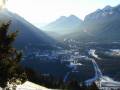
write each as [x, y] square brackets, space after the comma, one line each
[107, 8]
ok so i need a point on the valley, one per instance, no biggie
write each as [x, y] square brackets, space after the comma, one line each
[69, 49]
[75, 60]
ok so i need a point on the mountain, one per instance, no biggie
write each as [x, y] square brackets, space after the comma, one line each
[28, 34]
[64, 24]
[103, 26]
[104, 14]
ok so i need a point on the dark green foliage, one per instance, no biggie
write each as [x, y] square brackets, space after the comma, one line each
[92, 87]
[73, 85]
[44, 79]
[10, 69]
[51, 82]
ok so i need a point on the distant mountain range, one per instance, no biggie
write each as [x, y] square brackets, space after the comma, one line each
[28, 34]
[103, 26]
[64, 24]
[104, 14]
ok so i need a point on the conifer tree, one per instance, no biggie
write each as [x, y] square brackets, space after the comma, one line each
[10, 69]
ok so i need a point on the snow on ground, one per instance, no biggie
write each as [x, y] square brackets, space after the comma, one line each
[0, 88]
[113, 52]
[92, 53]
[31, 86]
[106, 81]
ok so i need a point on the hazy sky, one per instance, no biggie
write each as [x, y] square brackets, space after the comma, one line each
[44, 11]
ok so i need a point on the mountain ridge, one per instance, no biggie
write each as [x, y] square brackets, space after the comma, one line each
[103, 26]
[28, 33]
[64, 24]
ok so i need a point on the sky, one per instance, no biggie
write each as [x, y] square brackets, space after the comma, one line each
[45, 11]
[1, 4]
